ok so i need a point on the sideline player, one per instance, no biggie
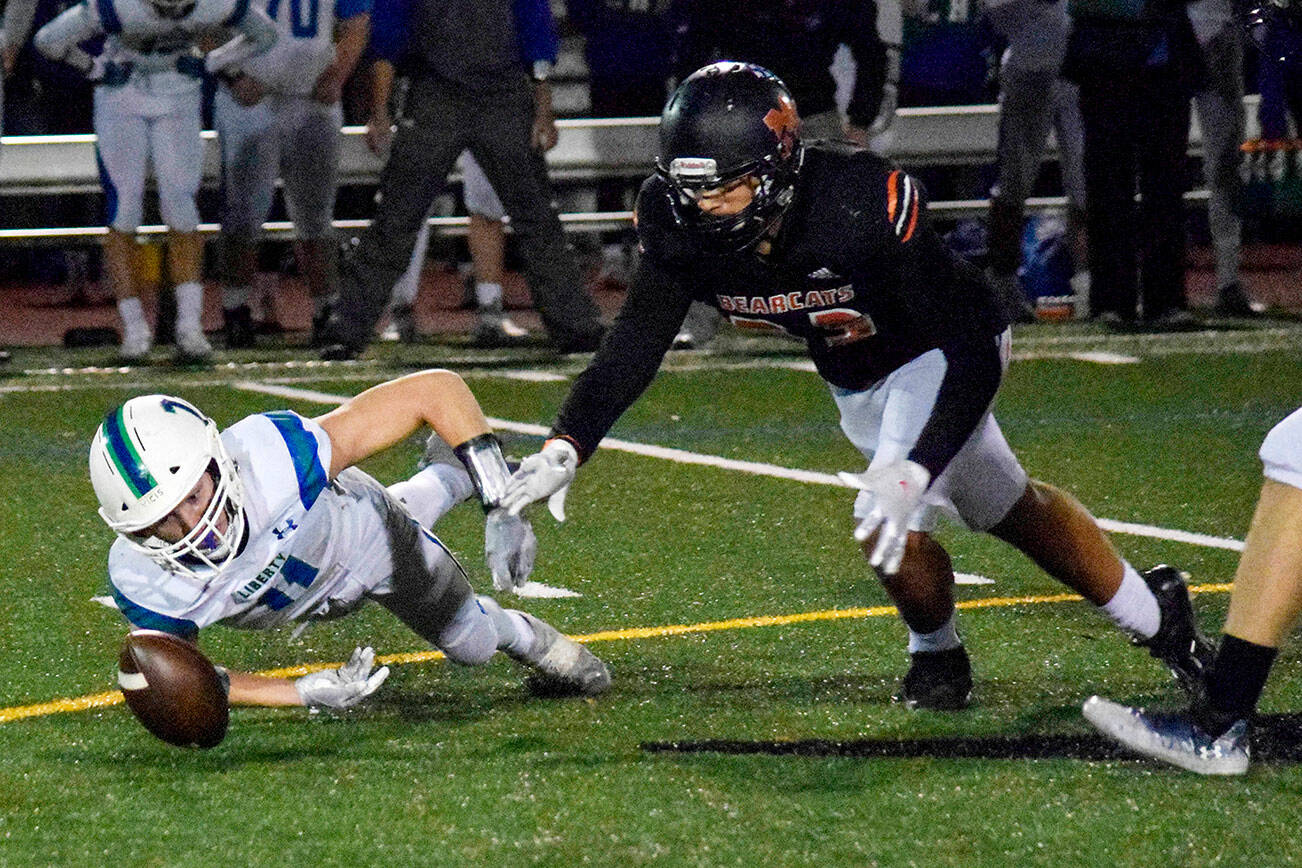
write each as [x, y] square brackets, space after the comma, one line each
[279, 116]
[268, 522]
[830, 243]
[147, 110]
[1212, 737]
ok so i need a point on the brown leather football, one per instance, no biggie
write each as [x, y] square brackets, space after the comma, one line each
[173, 689]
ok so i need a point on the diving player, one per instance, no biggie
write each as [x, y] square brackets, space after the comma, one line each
[268, 522]
[830, 244]
[147, 110]
[280, 117]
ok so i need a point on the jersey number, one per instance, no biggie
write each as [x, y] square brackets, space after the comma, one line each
[842, 325]
[294, 579]
[302, 26]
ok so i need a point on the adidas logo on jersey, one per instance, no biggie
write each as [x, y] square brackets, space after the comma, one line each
[824, 274]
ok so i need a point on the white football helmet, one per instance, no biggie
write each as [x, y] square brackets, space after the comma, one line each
[146, 457]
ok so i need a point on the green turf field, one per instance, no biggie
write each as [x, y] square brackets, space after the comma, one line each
[733, 609]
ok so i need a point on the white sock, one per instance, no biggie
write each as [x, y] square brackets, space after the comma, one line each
[433, 491]
[521, 639]
[234, 296]
[942, 639]
[189, 307]
[488, 295]
[514, 635]
[1133, 607]
[133, 318]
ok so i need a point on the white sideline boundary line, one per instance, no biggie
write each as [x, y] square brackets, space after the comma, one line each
[756, 468]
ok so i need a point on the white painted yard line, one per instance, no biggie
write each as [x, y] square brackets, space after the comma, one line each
[1184, 536]
[757, 468]
[971, 579]
[534, 376]
[1096, 357]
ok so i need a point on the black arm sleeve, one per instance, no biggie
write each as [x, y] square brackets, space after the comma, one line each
[628, 358]
[972, 376]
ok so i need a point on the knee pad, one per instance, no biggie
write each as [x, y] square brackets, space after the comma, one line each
[470, 638]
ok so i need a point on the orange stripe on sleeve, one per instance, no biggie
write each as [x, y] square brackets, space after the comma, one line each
[892, 198]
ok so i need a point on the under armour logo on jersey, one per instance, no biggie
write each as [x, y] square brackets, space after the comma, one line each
[902, 204]
[824, 274]
[281, 533]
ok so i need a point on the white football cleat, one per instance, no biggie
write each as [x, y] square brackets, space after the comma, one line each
[192, 346]
[1172, 738]
[563, 665]
[136, 347]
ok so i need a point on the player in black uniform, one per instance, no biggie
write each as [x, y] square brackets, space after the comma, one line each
[831, 243]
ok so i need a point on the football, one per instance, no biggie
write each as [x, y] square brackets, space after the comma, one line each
[173, 689]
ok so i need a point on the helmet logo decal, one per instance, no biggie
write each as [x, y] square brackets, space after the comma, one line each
[172, 406]
[125, 458]
[784, 123]
[693, 168]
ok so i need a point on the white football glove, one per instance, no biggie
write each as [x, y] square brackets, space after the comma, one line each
[510, 547]
[343, 687]
[896, 490]
[544, 474]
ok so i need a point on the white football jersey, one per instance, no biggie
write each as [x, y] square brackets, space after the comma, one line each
[137, 34]
[312, 548]
[306, 45]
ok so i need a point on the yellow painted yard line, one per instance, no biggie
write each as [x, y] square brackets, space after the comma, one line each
[114, 697]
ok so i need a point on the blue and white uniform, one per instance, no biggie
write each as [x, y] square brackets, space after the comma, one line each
[288, 134]
[147, 98]
[313, 548]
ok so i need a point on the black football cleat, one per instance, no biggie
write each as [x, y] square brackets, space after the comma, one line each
[237, 328]
[1179, 643]
[938, 680]
[339, 353]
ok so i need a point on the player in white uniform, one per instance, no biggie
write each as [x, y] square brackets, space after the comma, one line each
[1212, 738]
[268, 523]
[280, 116]
[147, 109]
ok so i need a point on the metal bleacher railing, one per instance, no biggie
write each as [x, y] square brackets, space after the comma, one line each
[588, 149]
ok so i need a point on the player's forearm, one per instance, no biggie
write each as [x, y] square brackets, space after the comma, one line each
[627, 361]
[381, 87]
[16, 24]
[390, 412]
[972, 375]
[256, 33]
[58, 39]
[250, 689]
[352, 36]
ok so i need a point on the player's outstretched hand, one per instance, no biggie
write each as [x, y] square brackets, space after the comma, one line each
[343, 687]
[896, 491]
[510, 547]
[546, 474]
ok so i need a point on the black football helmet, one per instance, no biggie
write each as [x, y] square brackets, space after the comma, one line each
[725, 121]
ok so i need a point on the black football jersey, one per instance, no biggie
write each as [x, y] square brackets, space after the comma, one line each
[855, 271]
